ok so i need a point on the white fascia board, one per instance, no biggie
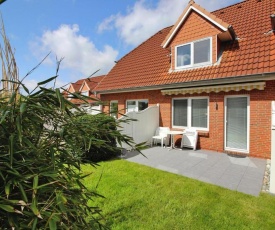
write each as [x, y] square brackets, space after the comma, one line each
[184, 17]
[71, 87]
[81, 87]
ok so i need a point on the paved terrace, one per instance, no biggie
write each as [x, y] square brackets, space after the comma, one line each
[243, 174]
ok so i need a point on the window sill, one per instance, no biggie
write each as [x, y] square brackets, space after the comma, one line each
[177, 69]
[203, 133]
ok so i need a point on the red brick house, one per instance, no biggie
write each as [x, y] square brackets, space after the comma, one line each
[214, 72]
[85, 87]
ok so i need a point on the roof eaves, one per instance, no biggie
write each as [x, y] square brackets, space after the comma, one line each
[234, 79]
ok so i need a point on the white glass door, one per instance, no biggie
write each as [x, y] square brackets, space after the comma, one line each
[237, 124]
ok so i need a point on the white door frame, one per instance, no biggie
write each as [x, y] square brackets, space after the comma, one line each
[248, 124]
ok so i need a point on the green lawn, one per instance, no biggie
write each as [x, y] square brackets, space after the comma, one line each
[139, 197]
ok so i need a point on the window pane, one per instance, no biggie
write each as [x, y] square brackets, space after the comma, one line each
[199, 113]
[85, 93]
[142, 105]
[131, 103]
[131, 106]
[180, 112]
[236, 131]
[202, 51]
[184, 55]
[114, 109]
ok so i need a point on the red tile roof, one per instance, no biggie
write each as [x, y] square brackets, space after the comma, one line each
[91, 82]
[253, 52]
[80, 102]
[191, 7]
[76, 85]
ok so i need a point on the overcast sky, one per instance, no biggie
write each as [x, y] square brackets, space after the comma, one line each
[90, 35]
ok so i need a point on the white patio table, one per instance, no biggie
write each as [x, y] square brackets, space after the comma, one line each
[173, 133]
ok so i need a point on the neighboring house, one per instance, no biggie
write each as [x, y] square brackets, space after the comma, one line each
[73, 88]
[214, 72]
[86, 87]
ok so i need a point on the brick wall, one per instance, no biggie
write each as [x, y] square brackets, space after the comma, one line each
[260, 116]
[195, 28]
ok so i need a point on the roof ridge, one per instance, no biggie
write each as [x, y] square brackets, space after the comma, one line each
[230, 6]
[194, 7]
[99, 76]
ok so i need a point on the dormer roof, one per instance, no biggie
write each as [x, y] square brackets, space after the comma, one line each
[250, 56]
[91, 82]
[227, 32]
[74, 87]
[87, 83]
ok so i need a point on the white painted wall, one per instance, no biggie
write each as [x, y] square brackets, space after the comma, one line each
[92, 109]
[272, 168]
[144, 128]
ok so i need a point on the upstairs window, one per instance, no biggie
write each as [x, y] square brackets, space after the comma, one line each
[194, 54]
[85, 93]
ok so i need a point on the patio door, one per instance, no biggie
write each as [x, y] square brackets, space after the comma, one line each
[237, 123]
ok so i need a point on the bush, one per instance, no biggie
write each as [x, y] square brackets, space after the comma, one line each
[42, 144]
[41, 151]
[106, 138]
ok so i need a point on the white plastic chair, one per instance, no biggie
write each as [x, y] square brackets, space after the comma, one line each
[161, 135]
[189, 139]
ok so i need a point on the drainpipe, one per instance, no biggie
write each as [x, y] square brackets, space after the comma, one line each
[272, 168]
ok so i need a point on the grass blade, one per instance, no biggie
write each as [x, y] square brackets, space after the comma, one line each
[46, 81]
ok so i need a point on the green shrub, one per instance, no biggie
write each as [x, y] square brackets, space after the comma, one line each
[42, 144]
[106, 138]
[41, 150]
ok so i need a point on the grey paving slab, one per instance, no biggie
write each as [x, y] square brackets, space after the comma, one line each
[210, 177]
[250, 186]
[241, 174]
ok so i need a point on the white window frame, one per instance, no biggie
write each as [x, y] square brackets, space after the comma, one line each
[248, 123]
[85, 93]
[136, 101]
[189, 113]
[192, 55]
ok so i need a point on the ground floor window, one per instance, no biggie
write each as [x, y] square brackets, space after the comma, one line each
[114, 109]
[136, 105]
[190, 113]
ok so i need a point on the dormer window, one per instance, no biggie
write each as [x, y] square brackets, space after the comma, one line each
[85, 93]
[194, 54]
